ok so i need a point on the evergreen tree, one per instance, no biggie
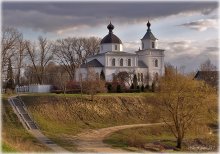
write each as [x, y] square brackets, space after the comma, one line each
[109, 87]
[135, 81]
[119, 88]
[153, 87]
[142, 88]
[10, 81]
[132, 86]
[102, 75]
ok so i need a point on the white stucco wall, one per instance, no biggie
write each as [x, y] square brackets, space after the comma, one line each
[110, 47]
[149, 57]
[109, 59]
[148, 44]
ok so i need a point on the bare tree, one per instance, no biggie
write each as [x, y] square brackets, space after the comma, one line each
[39, 56]
[93, 84]
[182, 103]
[10, 38]
[72, 52]
[123, 78]
[207, 66]
[19, 58]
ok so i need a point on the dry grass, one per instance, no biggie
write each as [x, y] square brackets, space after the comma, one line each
[60, 116]
[159, 138]
[15, 137]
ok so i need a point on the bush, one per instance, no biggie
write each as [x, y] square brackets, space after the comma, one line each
[147, 87]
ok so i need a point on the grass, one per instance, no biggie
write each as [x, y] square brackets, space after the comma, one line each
[15, 137]
[7, 148]
[150, 137]
[59, 116]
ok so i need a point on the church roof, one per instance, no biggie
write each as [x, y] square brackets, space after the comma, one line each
[92, 63]
[149, 34]
[111, 38]
[141, 64]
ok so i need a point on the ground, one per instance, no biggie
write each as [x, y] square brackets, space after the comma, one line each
[66, 118]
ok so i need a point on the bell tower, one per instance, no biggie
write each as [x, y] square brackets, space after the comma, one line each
[149, 41]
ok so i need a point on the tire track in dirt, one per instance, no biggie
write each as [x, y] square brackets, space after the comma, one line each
[92, 140]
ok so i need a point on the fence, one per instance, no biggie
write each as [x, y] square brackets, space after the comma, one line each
[34, 89]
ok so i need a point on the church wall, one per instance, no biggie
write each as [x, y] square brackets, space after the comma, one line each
[149, 57]
[125, 60]
[110, 47]
[148, 44]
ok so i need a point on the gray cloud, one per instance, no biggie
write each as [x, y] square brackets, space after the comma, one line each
[202, 24]
[55, 16]
[188, 53]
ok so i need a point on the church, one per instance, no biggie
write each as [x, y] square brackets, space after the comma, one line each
[147, 63]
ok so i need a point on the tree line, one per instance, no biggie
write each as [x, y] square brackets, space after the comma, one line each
[43, 61]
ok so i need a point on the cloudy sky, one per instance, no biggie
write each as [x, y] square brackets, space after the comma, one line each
[188, 31]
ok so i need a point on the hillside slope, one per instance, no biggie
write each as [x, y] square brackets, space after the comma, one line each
[59, 116]
[15, 137]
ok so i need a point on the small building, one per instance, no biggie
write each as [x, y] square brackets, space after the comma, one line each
[210, 77]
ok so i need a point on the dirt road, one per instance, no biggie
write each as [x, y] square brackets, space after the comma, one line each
[92, 141]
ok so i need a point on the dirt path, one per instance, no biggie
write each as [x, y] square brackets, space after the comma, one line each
[92, 141]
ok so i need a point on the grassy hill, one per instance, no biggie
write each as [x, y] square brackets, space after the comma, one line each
[14, 136]
[59, 116]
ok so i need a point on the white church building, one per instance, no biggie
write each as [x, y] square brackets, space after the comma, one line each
[147, 61]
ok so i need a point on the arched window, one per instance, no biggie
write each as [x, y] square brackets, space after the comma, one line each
[116, 47]
[113, 62]
[156, 63]
[121, 62]
[153, 44]
[142, 45]
[129, 62]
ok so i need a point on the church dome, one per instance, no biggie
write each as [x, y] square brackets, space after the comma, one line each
[111, 38]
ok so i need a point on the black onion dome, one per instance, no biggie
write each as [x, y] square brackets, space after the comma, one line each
[149, 34]
[111, 38]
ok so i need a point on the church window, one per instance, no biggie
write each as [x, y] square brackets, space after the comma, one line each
[142, 45]
[129, 62]
[101, 47]
[121, 62]
[156, 63]
[113, 62]
[153, 44]
[116, 47]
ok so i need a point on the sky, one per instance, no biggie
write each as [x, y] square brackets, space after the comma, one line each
[188, 31]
